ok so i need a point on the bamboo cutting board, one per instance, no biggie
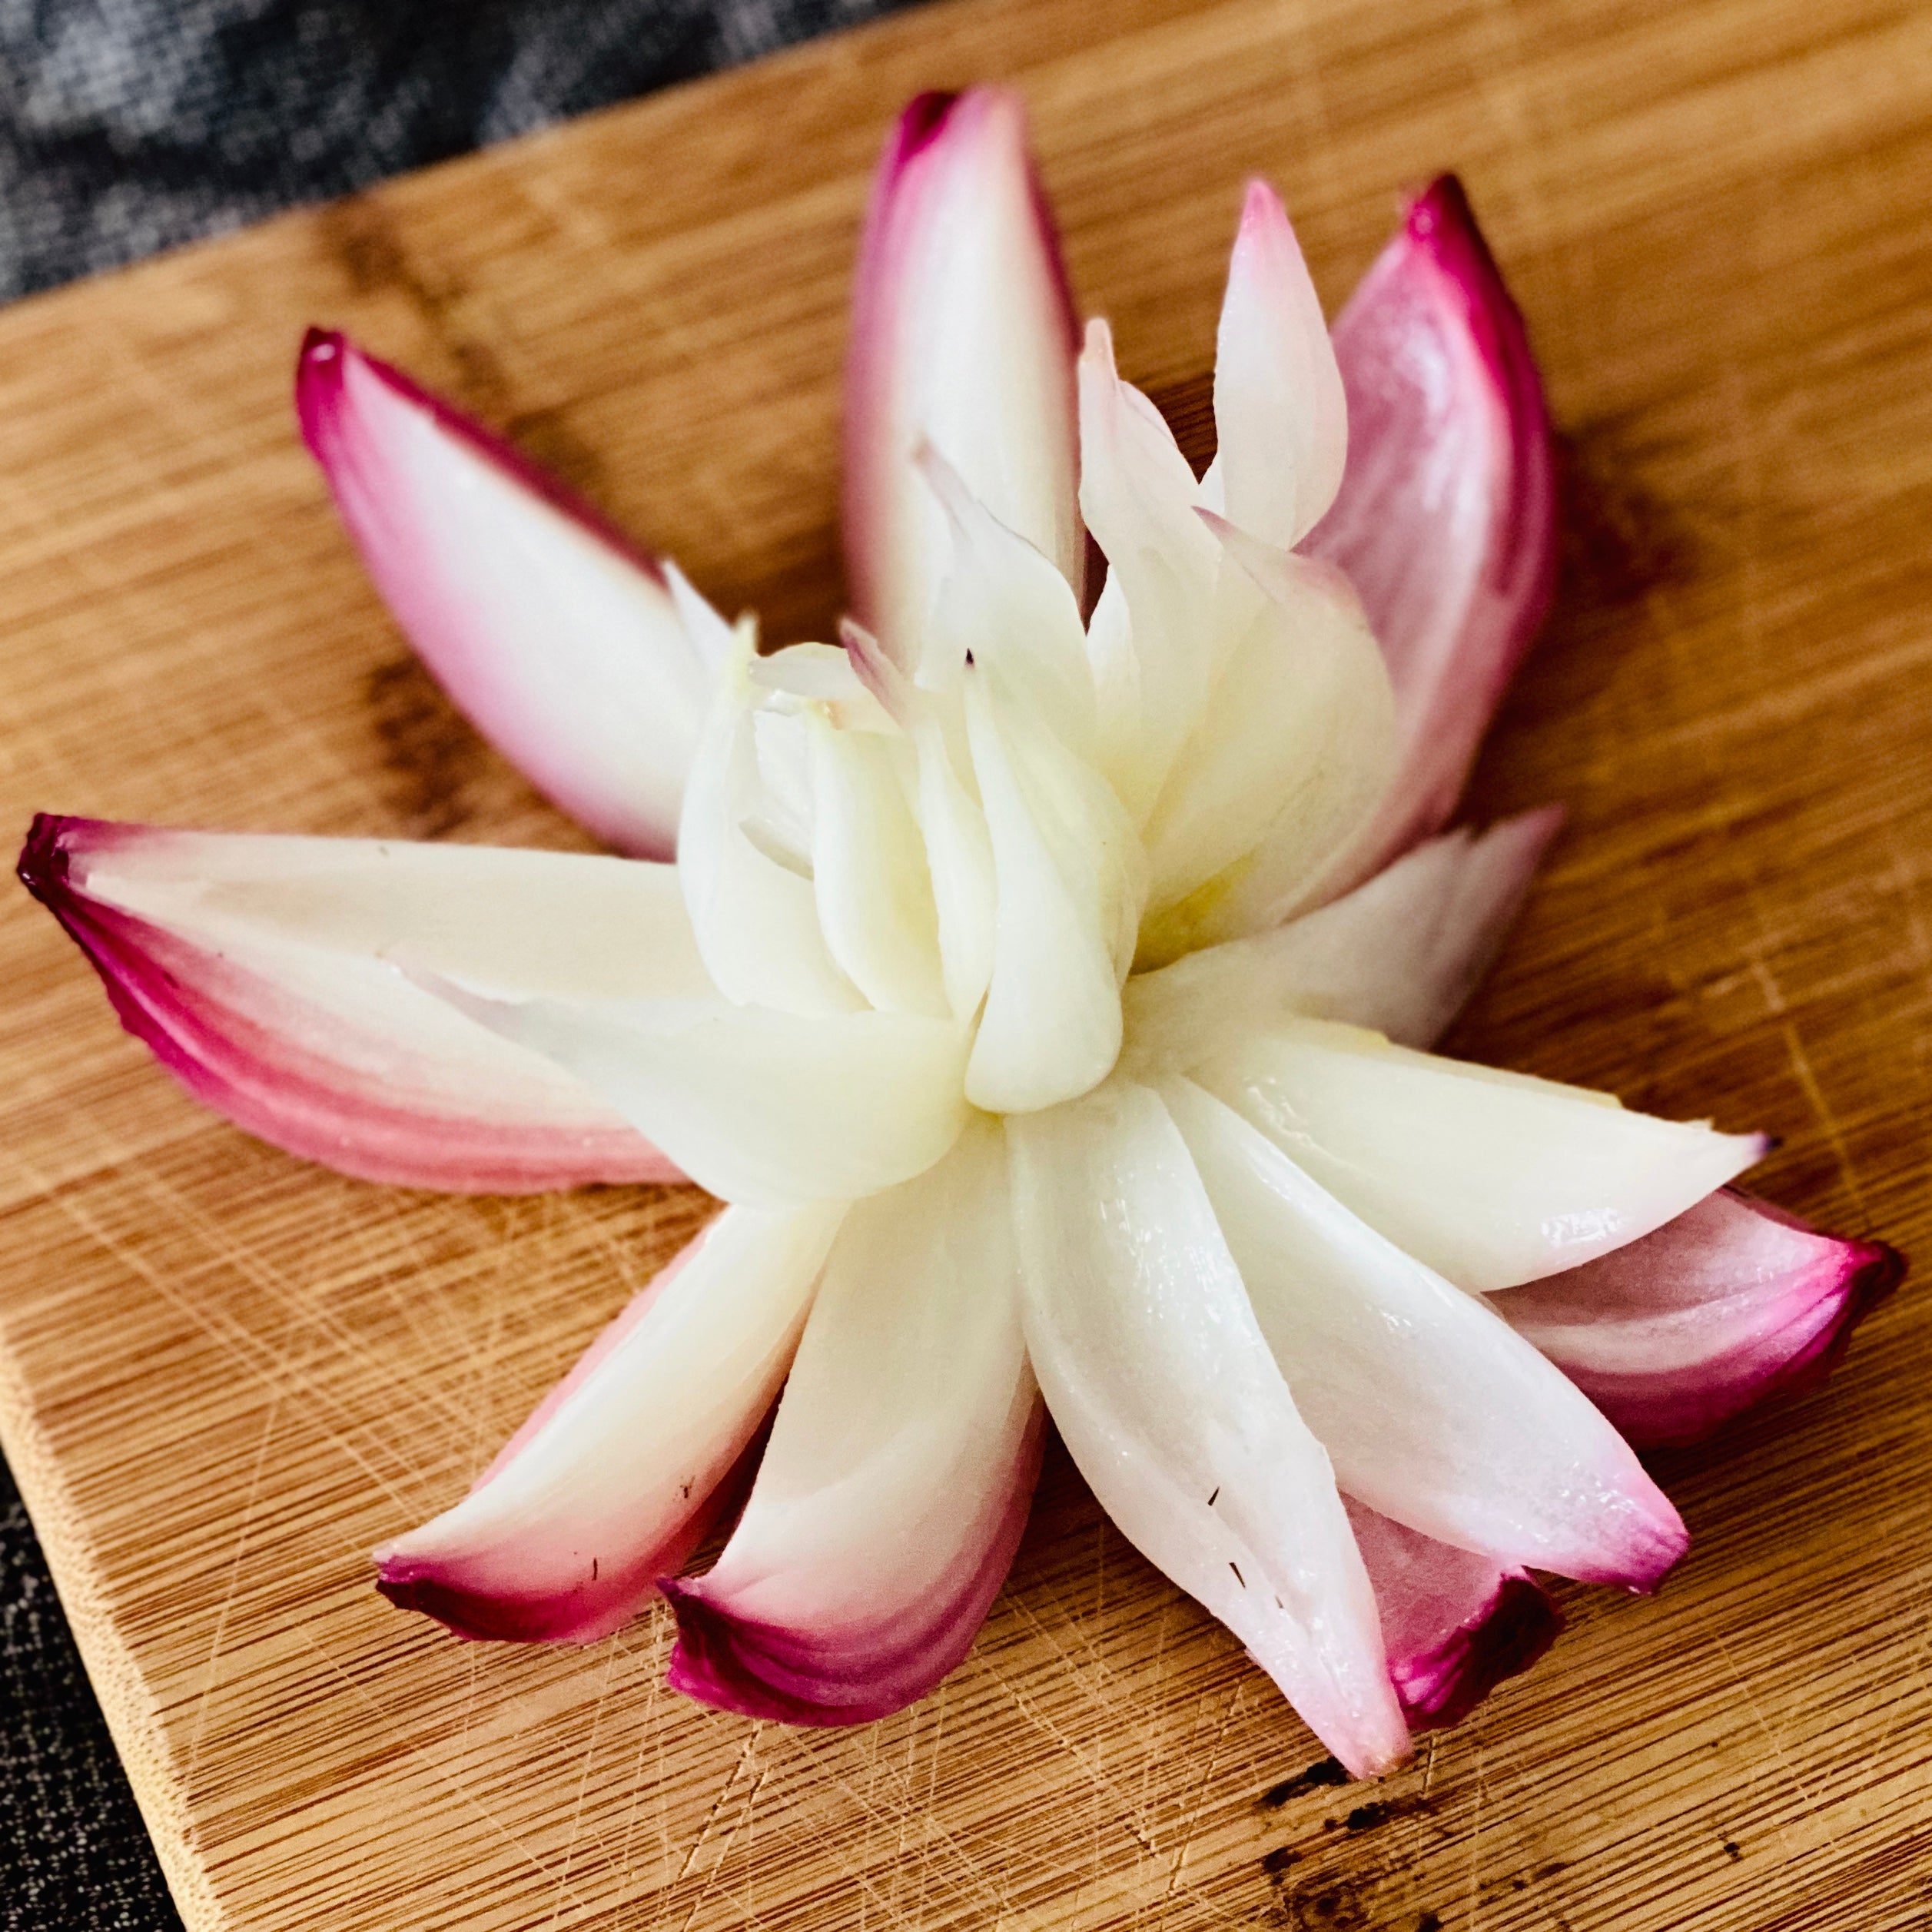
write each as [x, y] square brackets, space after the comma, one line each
[224, 1376]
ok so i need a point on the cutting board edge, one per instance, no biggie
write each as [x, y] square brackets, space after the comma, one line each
[127, 1702]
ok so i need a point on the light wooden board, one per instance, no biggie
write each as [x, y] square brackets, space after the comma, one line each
[226, 1374]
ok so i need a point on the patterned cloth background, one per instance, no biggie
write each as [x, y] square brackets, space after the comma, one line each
[127, 126]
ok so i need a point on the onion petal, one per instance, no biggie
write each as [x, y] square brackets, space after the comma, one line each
[1164, 1391]
[870, 879]
[1070, 892]
[892, 1496]
[265, 972]
[1158, 644]
[1294, 748]
[566, 1534]
[757, 1105]
[1280, 411]
[1400, 954]
[755, 915]
[959, 858]
[1004, 606]
[572, 651]
[1455, 1624]
[1445, 522]
[1490, 1178]
[1729, 1304]
[1433, 1411]
[963, 337]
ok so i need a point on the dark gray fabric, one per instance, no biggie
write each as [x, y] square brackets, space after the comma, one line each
[73, 1851]
[127, 126]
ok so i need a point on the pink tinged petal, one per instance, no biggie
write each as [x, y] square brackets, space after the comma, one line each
[1070, 890]
[265, 972]
[1732, 1303]
[1447, 518]
[569, 649]
[1456, 1624]
[1433, 1410]
[892, 1494]
[1164, 1389]
[873, 666]
[1292, 752]
[962, 335]
[1156, 641]
[1400, 954]
[1492, 1179]
[608, 1485]
[1279, 412]
[757, 1106]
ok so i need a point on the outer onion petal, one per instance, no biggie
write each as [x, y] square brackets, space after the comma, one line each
[962, 335]
[607, 1485]
[1456, 1624]
[264, 973]
[756, 1105]
[1446, 519]
[1730, 1303]
[1492, 1179]
[1279, 410]
[565, 645]
[892, 1494]
[1400, 954]
[1168, 1400]
[1433, 1410]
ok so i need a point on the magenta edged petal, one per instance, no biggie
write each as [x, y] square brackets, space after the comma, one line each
[471, 1601]
[1455, 1625]
[1726, 1306]
[1446, 517]
[964, 335]
[900, 1470]
[561, 641]
[320, 376]
[853, 1672]
[624, 1467]
[362, 1092]
[483, 1616]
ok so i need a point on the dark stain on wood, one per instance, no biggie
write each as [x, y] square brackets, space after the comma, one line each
[1366, 1817]
[1619, 540]
[1324, 1771]
[361, 236]
[431, 756]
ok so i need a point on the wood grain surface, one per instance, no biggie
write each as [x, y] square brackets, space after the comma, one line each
[226, 1374]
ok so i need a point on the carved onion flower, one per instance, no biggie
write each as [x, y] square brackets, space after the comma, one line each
[1044, 988]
